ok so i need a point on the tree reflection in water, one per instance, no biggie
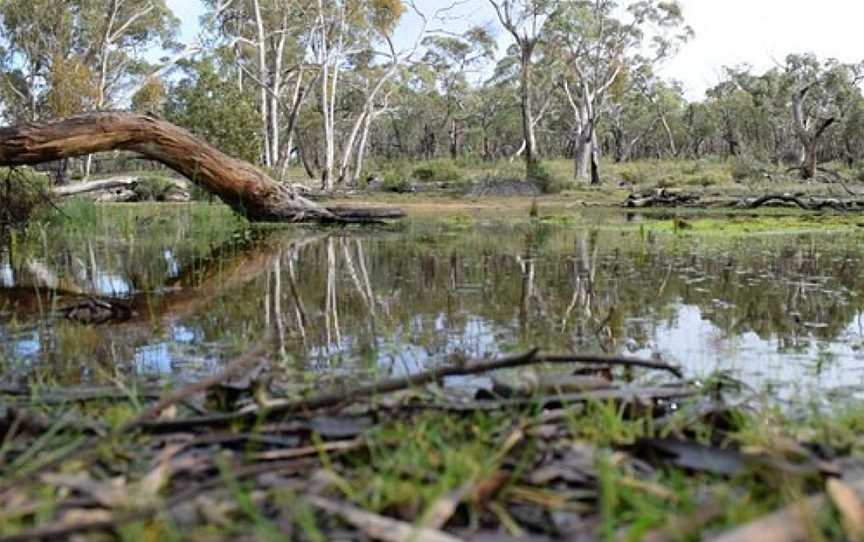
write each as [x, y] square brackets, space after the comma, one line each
[778, 307]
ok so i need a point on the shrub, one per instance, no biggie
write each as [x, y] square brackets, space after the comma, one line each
[709, 178]
[638, 173]
[746, 167]
[394, 175]
[438, 171]
[548, 182]
[24, 194]
[154, 188]
[692, 167]
[395, 182]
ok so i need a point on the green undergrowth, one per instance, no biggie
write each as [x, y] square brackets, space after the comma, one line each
[411, 465]
[690, 223]
[24, 196]
[141, 223]
[758, 224]
[710, 176]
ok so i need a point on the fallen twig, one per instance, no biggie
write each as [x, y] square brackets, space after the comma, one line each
[61, 530]
[623, 395]
[90, 444]
[682, 527]
[595, 359]
[792, 523]
[379, 527]
[59, 396]
[341, 397]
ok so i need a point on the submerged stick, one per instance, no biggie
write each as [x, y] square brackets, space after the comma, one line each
[621, 361]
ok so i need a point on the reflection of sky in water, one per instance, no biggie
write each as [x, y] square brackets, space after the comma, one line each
[155, 358]
[112, 285]
[27, 344]
[171, 262]
[182, 352]
[6, 276]
[698, 345]
[183, 334]
[686, 339]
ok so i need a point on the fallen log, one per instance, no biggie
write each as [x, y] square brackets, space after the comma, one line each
[93, 186]
[793, 523]
[660, 198]
[670, 199]
[812, 205]
[242, 186]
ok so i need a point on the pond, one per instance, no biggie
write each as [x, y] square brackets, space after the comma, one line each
[183, 289]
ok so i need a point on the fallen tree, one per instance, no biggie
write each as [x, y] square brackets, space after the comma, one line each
[669, 198]
[92, 186]
[242, 186]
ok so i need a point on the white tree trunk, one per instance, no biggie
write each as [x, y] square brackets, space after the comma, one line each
[361, 151]
[263, 76]
[276, 94]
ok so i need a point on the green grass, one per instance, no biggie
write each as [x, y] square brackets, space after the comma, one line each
[742, 175]
[410, 465]
[412, 462]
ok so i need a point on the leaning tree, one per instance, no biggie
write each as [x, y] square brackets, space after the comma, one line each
[242, 186]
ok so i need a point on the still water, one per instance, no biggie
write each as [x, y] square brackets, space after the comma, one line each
[780, 310]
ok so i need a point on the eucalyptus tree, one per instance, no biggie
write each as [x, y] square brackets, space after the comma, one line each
[368, 89]
[700, 125]
[210, 105]
[115, 46]
[86, 55]
[32, 35]
[115, 35]
[766, 112]
[631, 120]
[730, 104]
[525, 21]
[602, 40]
[342, 28]
[452, 58]
[496, 113]
[822, 93]
[852, 134]
[267, 41]
[544, 94]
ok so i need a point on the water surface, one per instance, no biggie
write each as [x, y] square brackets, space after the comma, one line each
[776, 309]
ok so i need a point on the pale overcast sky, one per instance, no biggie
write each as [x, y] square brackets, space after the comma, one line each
[728, 32]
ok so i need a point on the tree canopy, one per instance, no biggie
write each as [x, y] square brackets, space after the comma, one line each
[324, 85]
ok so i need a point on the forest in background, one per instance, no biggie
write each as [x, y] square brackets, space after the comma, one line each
[322, 90]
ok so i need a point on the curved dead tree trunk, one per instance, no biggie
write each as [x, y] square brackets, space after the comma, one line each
[240, 185]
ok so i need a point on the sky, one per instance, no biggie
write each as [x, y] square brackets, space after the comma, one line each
[727, 33]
